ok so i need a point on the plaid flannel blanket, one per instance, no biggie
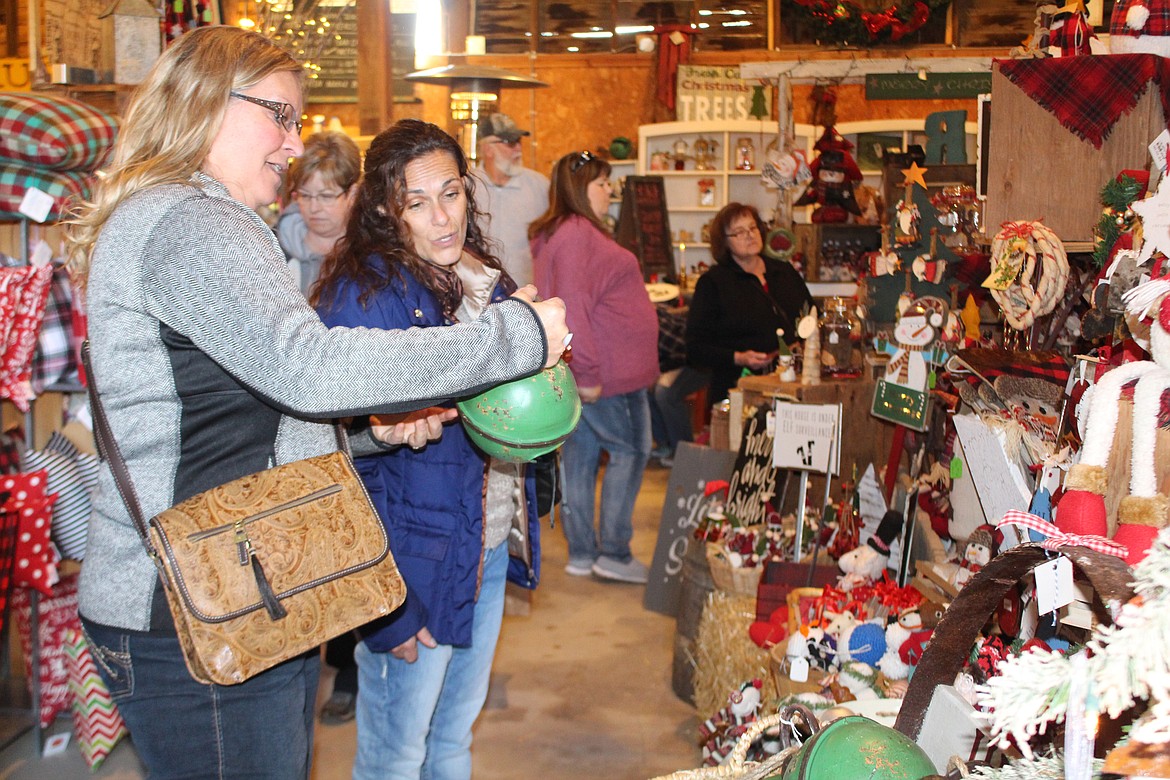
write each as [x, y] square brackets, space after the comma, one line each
[1089, 94]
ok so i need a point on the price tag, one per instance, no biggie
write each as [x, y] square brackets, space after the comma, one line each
[798, 670]
[1158, 149]
[1054, 585]
[36, 204]
[956, 467]
[41, 256]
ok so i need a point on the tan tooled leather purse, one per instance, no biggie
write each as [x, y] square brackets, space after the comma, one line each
[265, 567]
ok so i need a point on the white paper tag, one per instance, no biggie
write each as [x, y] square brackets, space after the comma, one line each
[36, 204]
[57, 743]
[1158, 149]
[798, 670]
[41, 255]
[1054, 585]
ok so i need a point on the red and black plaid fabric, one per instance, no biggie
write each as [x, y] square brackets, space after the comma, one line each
[1089, 94]
[1157, 24]
[8, 525]
[990, 363]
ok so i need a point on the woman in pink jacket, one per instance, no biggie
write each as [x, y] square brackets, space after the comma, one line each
[615, 361]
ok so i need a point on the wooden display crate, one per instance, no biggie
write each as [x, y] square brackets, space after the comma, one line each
[1037, 169]
[832, 252]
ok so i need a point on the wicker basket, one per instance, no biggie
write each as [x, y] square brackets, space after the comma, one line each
[743, 580]
[737, 767]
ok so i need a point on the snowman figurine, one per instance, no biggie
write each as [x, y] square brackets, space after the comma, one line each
[918, 328]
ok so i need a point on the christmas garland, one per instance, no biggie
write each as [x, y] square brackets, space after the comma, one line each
[848, 21]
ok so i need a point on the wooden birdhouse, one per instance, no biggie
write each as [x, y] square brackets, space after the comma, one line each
[131, 40]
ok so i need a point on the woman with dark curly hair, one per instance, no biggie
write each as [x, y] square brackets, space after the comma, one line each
[741, 302]
[413, 256]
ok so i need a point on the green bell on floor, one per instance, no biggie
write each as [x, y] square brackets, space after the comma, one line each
[856, 747]
[521, 420]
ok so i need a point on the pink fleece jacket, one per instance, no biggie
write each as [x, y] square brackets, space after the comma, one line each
[614, 325]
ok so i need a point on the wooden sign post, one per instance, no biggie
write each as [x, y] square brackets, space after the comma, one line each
[807, 439]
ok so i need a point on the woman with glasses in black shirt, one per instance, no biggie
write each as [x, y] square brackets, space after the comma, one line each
[741, 302]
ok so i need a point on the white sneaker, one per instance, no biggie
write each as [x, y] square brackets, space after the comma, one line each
[632, 571]
[581, 568]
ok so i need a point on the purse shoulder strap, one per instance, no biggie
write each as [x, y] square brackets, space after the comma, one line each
[109, 452]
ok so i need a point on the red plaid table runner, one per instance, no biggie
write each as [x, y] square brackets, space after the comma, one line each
[1089, 94]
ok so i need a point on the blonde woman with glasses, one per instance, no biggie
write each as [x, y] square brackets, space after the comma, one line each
[615, 362]
[741, 302]
[213, 366]
[321, 187]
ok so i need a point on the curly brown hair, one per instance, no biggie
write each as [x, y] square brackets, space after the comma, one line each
[376, 248]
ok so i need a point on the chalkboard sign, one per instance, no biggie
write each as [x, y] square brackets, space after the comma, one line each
[644, 226]
[336, 82]
[752, 494]
[682, 508]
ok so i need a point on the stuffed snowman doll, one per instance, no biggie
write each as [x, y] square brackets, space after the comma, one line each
[721, 731]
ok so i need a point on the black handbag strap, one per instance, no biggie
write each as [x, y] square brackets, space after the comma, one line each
[108, 450]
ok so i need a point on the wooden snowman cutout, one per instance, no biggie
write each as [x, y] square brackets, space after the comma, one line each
[919, 327]
[902, 394]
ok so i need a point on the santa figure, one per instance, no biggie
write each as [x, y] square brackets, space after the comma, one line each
[1140, 26]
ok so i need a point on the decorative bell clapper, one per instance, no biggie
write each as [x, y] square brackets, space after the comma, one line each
[1081, 509]
[1143, 512]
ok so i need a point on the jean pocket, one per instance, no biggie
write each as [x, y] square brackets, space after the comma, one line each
[112, 659]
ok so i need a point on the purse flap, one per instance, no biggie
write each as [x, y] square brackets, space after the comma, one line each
[308, 522]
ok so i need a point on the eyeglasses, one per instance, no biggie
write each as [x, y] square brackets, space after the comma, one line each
[324, 198]
[745, 231]
[283, 113]
[580, 160]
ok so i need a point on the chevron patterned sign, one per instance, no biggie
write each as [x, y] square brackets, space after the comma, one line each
[96, 719]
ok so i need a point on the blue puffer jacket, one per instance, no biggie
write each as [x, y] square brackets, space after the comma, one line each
[430, 500]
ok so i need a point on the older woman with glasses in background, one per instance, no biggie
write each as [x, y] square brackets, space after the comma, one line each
[615, 361]
[320, 189]
[741, 302]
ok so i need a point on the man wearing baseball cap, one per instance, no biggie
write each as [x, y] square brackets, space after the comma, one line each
[509, 195]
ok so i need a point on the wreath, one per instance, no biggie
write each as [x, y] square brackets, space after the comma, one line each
[862, 21]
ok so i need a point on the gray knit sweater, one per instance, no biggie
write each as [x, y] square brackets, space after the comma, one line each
[211, 366]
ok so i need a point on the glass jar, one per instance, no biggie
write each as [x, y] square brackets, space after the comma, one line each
[841, 334]
[745, 154]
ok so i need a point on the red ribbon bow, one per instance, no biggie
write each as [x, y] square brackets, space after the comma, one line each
[1057, 538]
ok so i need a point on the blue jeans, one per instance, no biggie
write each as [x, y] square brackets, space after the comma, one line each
[670, 398]
[414, 720]
[262, 728]
[619, 425]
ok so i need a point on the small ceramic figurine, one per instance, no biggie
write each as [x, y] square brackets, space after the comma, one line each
[977, 553]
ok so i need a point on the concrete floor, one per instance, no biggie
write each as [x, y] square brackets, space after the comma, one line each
[580, 688]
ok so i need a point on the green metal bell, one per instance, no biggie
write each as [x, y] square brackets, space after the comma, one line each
[856, 747]
[521, 420]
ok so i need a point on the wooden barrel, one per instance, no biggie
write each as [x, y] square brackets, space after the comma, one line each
[694, 586]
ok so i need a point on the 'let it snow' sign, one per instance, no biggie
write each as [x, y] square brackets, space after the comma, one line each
[806, 437]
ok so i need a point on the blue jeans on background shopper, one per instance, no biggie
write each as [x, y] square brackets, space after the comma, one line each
[414, 720]
[673, 412]
[619, 425]
[261, 728]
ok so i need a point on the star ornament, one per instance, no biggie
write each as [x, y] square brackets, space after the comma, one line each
[914, 175]
[1155, 215]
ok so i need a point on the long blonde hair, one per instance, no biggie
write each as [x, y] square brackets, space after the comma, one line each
[172, 121]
